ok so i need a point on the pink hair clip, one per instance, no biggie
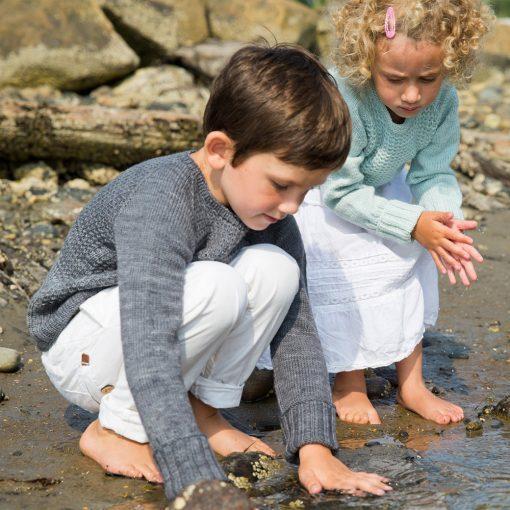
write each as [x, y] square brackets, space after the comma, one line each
[390, 23]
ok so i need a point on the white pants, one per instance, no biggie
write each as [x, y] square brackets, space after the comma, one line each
[230, 315]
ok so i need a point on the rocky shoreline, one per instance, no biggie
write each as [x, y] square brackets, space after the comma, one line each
[137, 89]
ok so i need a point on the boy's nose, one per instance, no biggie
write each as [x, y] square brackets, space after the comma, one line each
[288, 208]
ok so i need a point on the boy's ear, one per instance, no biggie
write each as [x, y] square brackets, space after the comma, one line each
[219, 149]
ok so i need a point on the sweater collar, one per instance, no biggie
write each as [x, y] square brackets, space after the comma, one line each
[225, 213]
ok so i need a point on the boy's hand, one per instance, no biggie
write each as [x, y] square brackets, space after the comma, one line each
[319, 470]
[432, 232]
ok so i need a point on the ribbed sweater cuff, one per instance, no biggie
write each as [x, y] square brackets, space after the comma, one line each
[309, 422]
[185, 461]
[443, 204]
[398, 219]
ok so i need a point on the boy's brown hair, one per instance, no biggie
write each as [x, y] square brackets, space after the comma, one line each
[280, 100]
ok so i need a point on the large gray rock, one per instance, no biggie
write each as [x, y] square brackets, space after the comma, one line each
[167, 87]
[209, 57]
[69, 45]
[283, 20]
[156, 28]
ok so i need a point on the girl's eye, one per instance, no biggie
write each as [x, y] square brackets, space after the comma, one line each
[279, 187]
[395, 80]
[429, 80]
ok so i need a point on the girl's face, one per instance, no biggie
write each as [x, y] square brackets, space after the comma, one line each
[407, 75]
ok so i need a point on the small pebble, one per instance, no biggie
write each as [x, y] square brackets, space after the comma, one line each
[10, 360]
[2, 395]
[458, 354]
[486, 410]
[496, 424]
[373, 442]
[403, 435]
[474, 426]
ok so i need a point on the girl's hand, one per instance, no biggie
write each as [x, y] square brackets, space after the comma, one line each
[461, 225]
[467, 271]
[319, 469]
[467, 274]
[441, 241]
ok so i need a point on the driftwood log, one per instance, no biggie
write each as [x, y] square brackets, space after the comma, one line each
[113, 136]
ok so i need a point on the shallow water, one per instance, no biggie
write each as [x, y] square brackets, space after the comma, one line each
[431, 467]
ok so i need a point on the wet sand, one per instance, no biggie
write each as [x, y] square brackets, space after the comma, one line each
[467, 358]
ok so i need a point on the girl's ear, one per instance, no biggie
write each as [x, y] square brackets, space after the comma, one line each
[218, 149]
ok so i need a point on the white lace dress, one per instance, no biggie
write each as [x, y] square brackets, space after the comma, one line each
[372, 298]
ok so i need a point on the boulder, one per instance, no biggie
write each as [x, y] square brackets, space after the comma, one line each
[497, 45]
[69, 45]
[208, 58]
[156, 28]
[325, 36]
[273, 20]
[166, 87]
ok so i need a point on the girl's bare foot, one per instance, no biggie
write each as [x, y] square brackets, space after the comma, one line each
[423, 402]
[350, 398]
[118, 455]
[414, 395]
[223, 438]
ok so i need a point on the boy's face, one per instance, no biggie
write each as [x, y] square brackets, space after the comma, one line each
[263, 190]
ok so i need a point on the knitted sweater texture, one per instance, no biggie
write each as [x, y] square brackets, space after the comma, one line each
[379, 150]
[140, 232]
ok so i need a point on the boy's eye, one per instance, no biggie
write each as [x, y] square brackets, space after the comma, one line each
[278, 186]
[394, 80]
[430, 79]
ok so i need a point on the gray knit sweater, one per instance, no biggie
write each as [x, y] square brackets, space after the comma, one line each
[140, 232]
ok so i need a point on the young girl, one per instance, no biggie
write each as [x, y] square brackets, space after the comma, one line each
[373, 290]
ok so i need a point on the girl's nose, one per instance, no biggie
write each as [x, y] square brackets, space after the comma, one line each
[411, 94]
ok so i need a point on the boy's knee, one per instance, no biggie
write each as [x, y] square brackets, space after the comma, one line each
[277, 270]
[223, 295]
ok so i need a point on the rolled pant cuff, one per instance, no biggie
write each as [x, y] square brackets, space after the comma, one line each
[125, 423]
[217, 394]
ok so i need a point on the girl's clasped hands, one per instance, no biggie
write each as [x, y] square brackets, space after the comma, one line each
[451, 249]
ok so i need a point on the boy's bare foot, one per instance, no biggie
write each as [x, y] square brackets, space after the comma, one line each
[423, 402]
[350, 398]
[118, 455]
[414, 395]
[223, 438]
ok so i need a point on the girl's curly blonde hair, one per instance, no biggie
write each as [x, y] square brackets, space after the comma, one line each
[457, 25]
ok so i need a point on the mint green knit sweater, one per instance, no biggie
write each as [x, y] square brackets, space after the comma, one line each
[380, 148]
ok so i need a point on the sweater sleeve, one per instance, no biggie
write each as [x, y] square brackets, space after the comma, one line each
[432, 181]
[154, 244]
[347, 194]
[301, 378]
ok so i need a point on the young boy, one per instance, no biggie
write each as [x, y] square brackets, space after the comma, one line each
[179, 273]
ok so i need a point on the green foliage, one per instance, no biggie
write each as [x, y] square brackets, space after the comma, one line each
[501, 7]
[314, 3]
